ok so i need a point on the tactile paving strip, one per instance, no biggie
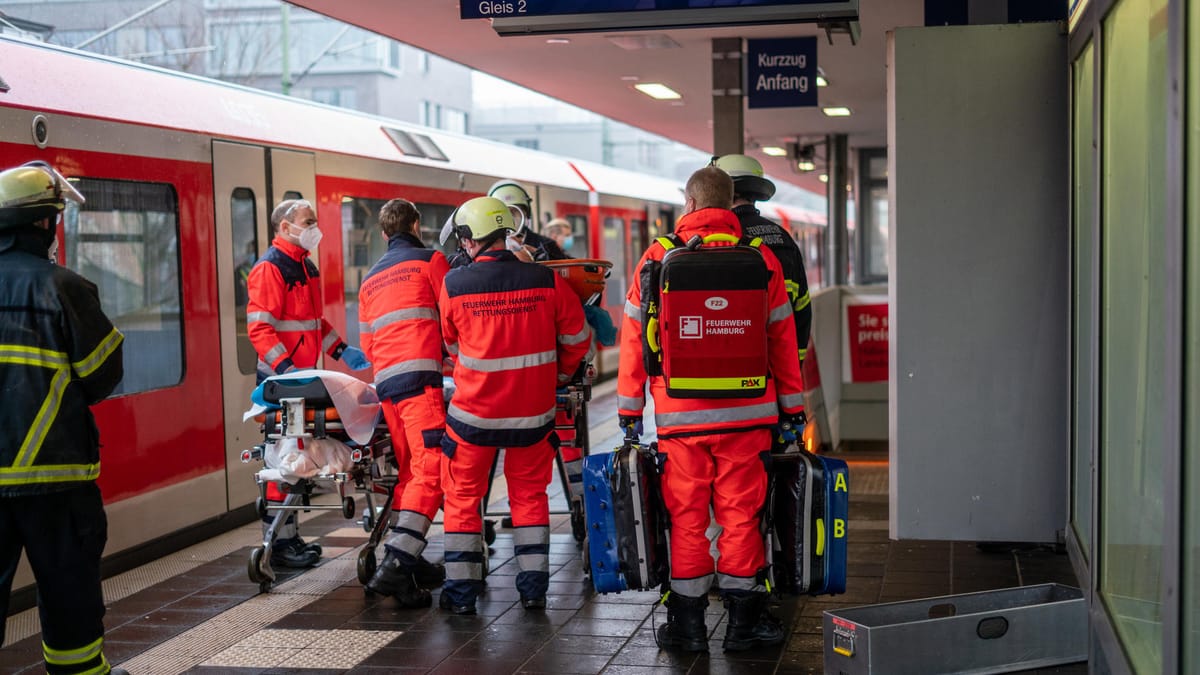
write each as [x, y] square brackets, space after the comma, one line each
[282, 648]
[228, 629]
[868, 479]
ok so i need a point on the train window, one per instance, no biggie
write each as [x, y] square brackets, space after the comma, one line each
[615, 243]
[125, 239]
[363, 245]
[580, 248]
[245, 250]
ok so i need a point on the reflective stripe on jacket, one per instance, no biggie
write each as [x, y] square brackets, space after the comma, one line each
[283, 315]
[514, 328]
[791, 259]
[398, 317]
[59, 354]
[684, 416]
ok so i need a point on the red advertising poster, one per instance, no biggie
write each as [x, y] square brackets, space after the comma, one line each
[867, 328]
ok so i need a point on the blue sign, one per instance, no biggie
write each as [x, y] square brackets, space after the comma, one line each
[781, 73]
[498, 9]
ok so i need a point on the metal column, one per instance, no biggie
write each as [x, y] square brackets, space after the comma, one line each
[728, 121]
[838, 154]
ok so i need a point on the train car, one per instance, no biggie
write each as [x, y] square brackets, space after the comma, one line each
[180, 175]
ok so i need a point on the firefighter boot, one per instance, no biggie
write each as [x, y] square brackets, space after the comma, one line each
[292, 553]
[428, 574]
[394, 578]
[684, 629]
[750, 624]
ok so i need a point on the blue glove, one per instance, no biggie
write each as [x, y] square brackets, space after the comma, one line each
[631, 425]
[602, 325]
[355, 359]
[791, 428]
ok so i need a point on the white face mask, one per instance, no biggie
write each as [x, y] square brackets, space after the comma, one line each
[310, 237]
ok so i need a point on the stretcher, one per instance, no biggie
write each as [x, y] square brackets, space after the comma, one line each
[322, 433]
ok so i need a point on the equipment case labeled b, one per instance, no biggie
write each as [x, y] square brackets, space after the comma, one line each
[990, 632]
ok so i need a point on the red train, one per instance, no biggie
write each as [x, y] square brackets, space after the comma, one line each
[180, 174]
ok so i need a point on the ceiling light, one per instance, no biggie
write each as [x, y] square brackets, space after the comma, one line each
[821, 81]
[567, 41]
[629, 78]
[806, 165]
[836, 112]
[774, 151]
[658, 91]
[824, 178]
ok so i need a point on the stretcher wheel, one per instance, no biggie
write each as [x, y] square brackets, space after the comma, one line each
[348, 508]
[366, 566]
[489, 532]
[265, 586]
[260, 505]
[368, 519]
[254, 568]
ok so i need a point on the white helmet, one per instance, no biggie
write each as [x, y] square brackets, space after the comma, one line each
[747, 175]
[516, 197]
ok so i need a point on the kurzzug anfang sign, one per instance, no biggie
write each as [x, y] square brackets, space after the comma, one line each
[781, 72]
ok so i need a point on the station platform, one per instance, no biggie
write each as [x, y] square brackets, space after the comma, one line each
[195, 611]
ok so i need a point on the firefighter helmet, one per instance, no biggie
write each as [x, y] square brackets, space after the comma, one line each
[516, 198]
[479, 217]
[747, 175]
[31, 192]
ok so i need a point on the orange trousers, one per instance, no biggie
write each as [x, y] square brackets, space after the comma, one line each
[416, 425]
[725, 470]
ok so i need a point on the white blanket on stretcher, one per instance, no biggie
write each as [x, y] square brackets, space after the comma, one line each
[290, 459]
[355, 400]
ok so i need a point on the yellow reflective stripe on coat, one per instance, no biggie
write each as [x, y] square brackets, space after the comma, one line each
[67, 657]
[99, 355]
[59, 362]
[718, 383]
[44, 418]
[55, 473]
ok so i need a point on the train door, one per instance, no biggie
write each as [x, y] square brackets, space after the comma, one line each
[247, 182]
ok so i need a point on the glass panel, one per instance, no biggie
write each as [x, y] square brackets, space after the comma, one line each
[1083, 176]
[875, 231]
[125, 239]
[1133, 260]
[614, 251]
[363, 245]
[245, 253]
[580, 247]
[1190, 634]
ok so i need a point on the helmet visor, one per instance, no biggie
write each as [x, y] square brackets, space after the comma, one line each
[447, 229]
[61, 184]
[518, 216]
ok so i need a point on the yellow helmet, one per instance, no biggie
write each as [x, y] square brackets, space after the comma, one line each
[747, 175]
[31, 192]
[516, 198]
[479, 217]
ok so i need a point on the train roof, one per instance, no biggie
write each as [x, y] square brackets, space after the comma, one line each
[52, 79]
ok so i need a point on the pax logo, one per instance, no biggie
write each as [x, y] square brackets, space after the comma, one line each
[752, 382]
[716, 303]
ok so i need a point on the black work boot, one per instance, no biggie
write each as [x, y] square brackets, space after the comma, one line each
[292, 553]
[750, 624]
[428, 574]
[446, 603]
[394, 578]
[684, 629]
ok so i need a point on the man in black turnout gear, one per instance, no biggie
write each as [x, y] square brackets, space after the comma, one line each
[59, 354]
[750, 186]
[521, 204]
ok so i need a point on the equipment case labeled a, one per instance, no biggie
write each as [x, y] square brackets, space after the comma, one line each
[999, 631]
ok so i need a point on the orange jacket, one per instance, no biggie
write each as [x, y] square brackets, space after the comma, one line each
[398, 318]
[688, 416]
[283, 315]
[516, 331]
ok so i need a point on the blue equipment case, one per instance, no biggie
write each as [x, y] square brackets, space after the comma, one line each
[809, 504]
[626, 544]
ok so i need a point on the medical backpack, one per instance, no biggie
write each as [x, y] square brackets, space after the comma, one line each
[704, 317]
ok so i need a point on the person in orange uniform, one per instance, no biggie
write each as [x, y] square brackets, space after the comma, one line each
[517, 331]
[401, 335]
[286, 327]
[714, 450]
